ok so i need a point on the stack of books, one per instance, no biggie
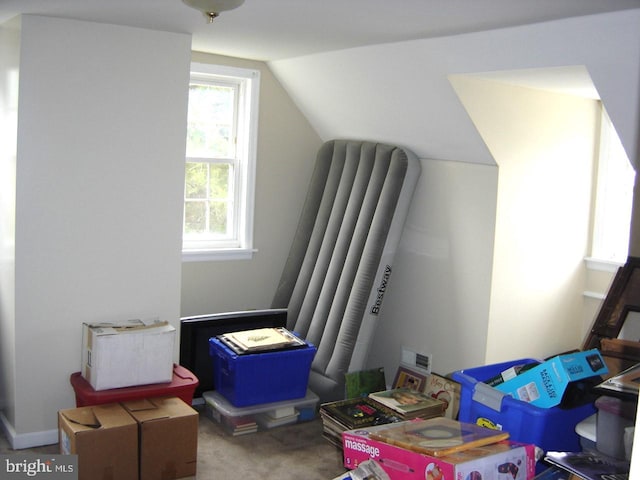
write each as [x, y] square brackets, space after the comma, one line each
[379, 408]
[240, 425]
[353, 413]
[278, 417]
[261, 340]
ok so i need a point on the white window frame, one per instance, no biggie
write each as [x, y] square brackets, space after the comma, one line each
[241, 245]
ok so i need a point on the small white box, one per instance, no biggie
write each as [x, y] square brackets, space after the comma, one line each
[125, 354]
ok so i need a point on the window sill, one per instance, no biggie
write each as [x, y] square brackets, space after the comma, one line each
[602, 265]
[217, 255]
[594, 295]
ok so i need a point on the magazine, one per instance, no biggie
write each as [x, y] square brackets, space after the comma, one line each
[408, 403]
[590, 465]
[260, 340]
[438, 437]
[359, 412]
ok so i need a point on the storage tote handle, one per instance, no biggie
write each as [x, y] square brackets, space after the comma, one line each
[488, 396]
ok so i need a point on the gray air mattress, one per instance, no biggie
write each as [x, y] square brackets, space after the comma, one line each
[341, 260]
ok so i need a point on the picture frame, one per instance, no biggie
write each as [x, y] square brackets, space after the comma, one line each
[446, 390]
[618, 321]
[408, 378]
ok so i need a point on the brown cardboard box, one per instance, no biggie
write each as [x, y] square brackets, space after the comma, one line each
[168, 433]
[104, 437]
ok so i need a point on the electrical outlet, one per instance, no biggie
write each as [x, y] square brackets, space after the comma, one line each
[413, 359]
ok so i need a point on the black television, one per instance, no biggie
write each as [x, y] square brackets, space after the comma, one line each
[196, 331]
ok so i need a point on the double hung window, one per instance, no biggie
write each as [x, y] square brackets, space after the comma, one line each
[614, 198]
[220, 162]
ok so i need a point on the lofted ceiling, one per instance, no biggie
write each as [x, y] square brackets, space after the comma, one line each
[279, 29]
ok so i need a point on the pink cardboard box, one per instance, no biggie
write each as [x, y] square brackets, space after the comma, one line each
[504, 460]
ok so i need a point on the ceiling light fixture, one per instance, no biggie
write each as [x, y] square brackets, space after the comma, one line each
[212, 8]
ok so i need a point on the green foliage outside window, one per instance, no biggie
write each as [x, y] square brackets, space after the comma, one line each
[208, 195]
[207, 198]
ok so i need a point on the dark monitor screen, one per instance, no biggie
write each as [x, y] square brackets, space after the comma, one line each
[196, 331]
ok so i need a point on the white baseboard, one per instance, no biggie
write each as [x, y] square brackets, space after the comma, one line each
[19, 441]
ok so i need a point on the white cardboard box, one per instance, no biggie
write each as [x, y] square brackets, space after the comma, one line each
[125, 354]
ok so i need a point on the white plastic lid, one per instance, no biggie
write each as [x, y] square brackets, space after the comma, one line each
[587, 428]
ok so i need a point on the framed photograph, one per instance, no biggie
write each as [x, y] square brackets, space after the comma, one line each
[411, 379]
[446, 390]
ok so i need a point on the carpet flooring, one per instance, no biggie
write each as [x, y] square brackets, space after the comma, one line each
[290, 452]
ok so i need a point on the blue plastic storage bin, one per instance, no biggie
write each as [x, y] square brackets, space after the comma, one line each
[552, 429]
[265, 377]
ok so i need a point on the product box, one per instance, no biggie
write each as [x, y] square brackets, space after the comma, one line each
[105, 439]
[497, 461]
[168, 437]
[549, 428]
[125, 354]
[545, 384]
[256, 378]
[239, 421]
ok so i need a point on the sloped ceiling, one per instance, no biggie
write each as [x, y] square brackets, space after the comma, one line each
[400, 91]
[277, 29]
[378, 70]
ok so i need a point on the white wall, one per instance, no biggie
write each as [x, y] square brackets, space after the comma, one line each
[544, 144]
[287, 147]
[399, 92]
[100, 172]
[9, 60]
[437, 301]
